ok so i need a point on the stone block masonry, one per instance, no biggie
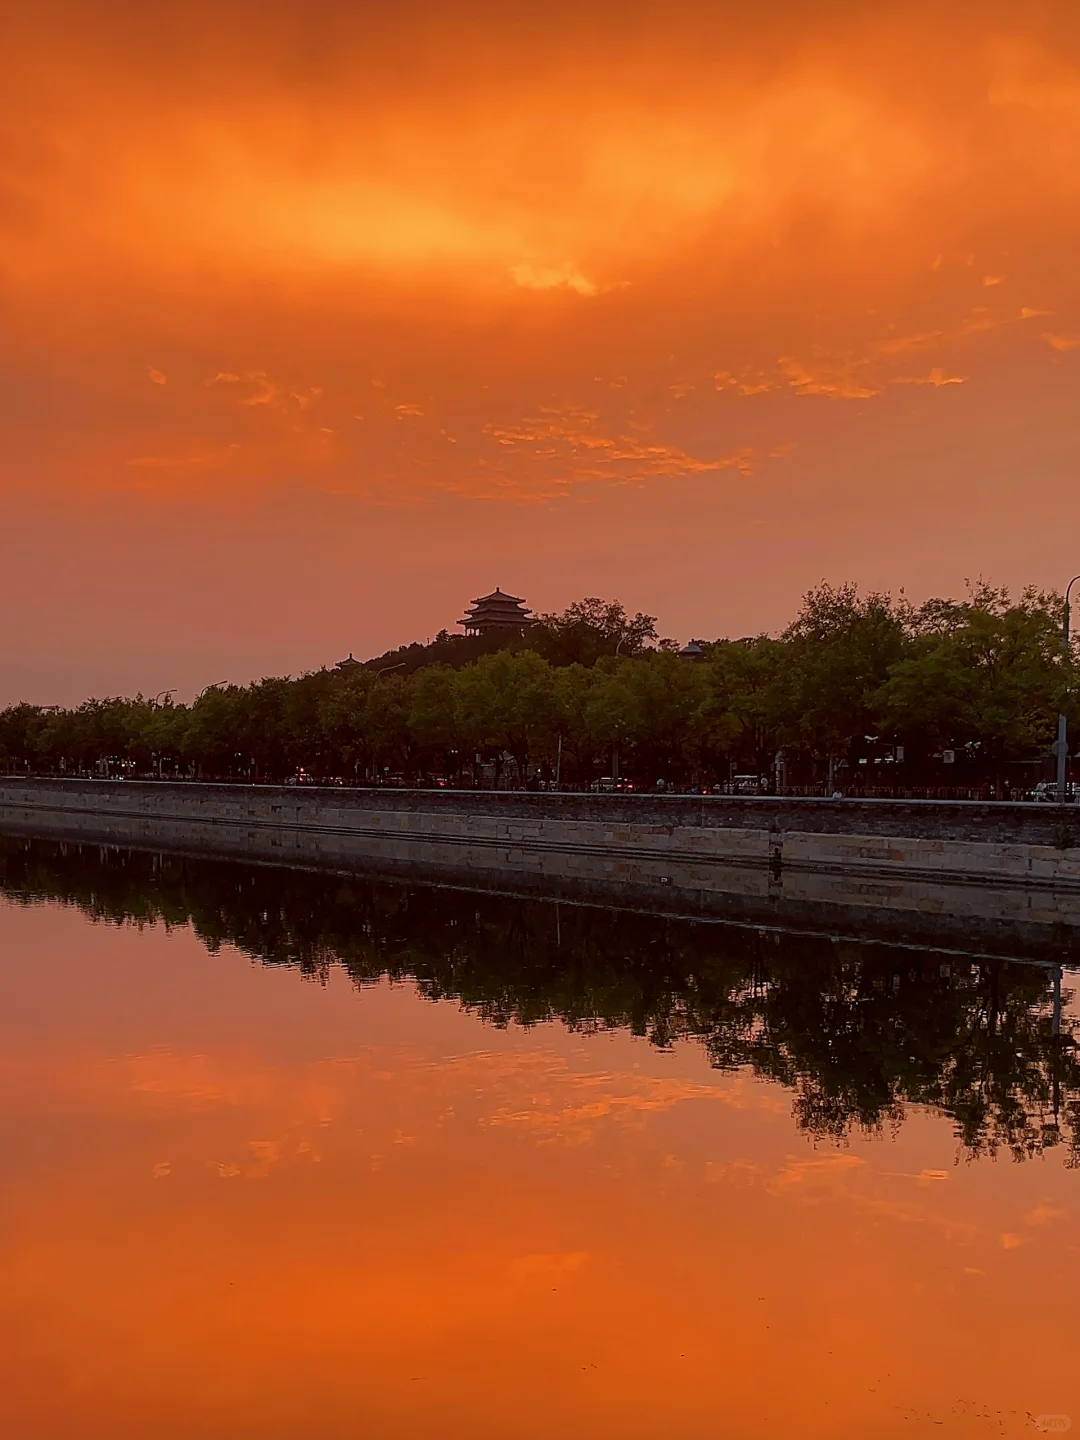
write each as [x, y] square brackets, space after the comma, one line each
[954, 863]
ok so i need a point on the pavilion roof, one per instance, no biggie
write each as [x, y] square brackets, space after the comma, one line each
[499, 596]
[497, 611]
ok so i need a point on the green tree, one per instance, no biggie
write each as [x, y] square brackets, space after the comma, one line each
[987, 674]
[745, 713]
[665, 695]
[20, 734]
[589, 629]
[507, 703]
[212, 736]
[613, 716]
[571, 691]
[842, 648]
[434, 715]
[385, 725]
[344, 721]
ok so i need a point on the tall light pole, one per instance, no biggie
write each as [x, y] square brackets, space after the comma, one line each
[385, 670]
[1063, 724]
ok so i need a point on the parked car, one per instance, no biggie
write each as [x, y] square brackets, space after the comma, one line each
[747, 785]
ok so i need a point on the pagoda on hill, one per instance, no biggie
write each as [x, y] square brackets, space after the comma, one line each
[497, 611]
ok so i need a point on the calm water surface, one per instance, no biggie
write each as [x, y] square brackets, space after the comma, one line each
[294, 1156]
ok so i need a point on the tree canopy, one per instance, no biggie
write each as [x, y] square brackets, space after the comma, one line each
[862, 690]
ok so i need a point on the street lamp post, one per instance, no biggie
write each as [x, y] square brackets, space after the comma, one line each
[384, 671]
[1063, 725]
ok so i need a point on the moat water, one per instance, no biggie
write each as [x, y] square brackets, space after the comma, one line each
[302, 1156]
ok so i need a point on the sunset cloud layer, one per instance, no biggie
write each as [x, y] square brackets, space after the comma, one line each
[453, 255]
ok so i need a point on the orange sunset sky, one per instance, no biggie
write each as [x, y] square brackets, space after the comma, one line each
[319, 319]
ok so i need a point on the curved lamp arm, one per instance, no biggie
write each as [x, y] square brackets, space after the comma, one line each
[1065, 620]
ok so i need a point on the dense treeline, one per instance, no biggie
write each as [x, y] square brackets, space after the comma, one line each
[858, 1033]
[860, 691]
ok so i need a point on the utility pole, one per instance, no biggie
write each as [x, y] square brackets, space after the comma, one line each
[1063, 724]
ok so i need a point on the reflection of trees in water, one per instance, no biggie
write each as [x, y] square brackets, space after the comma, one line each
[857, 1032]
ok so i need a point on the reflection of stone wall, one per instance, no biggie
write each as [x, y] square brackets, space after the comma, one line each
[1019, 893]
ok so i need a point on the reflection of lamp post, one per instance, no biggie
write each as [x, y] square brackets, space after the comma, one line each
[1062, 738]
[399, 666]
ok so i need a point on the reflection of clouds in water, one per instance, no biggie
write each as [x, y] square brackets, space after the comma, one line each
[1045, 1215]
[455, 1216]
[546, 1266]
[574, 1106]
[827, 1172]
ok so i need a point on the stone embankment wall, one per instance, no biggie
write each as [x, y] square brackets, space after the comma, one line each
[1019, 864]
[559, 816]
